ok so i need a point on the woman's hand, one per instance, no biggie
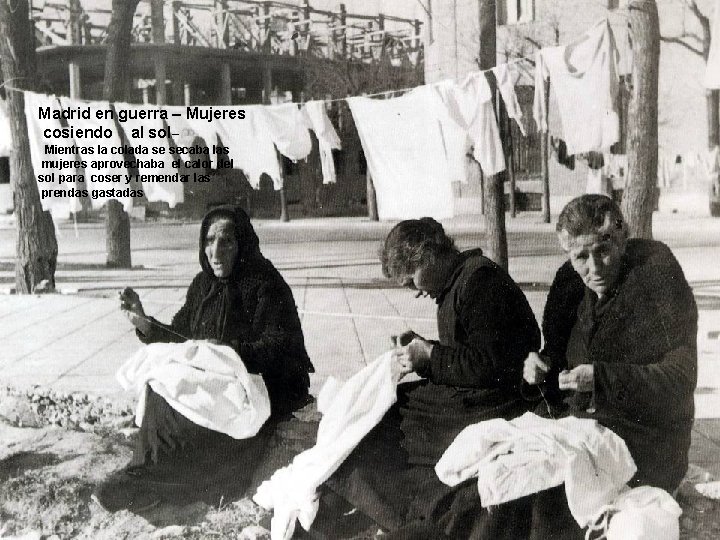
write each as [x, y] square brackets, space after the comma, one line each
[416, 354]
[580, 379]
[400, 367]
[535, 368]
[132, 307]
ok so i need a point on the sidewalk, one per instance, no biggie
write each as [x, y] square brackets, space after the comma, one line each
[75, 342]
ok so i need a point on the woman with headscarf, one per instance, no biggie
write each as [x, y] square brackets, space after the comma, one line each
[238, 299]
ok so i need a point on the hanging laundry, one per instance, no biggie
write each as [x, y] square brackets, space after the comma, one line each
[326, 135]
[47, 163]
[712, 67]
[513, 459]
[99, 166]
[506, 85]
[250, 146]
[288, 129]
[350, 411]
[169, 192]
[405, 155]
[187, 131]
[585, 80]
[5, 133]
[470, 105]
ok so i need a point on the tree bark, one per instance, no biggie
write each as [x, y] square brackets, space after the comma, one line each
[35, 242]
[496, 238]
[117, 222]
[639, 198]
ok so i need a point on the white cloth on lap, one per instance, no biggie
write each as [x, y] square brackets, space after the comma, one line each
[350, 411]
[512, 459]
[206, 383]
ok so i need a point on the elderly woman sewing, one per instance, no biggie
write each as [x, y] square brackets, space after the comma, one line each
[620, 328]
[472, 373]
[238, 299]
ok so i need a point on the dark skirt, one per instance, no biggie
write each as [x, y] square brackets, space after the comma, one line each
[390, 475]
[179, 462]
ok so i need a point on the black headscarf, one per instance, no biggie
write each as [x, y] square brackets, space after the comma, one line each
[248, 256]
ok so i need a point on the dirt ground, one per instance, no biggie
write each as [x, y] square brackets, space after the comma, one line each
[55, 448]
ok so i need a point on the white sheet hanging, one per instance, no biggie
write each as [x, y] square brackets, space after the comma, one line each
[405, 154]
[188, 130]
[349, 412]
[36, 128]
[95, 162]
[585, 80]
[506, 85]
[288, 129]
[172, 193]
[206, 383]
[250, 146]
[470, 105]
[327, 138]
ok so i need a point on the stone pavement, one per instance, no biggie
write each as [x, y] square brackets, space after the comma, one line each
[76, 341]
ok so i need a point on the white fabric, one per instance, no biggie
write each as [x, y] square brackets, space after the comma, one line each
[187, 130]
[405, 154]
[642, 513]
[470, 105]
[349, 412]
[512, 459]
[172, 193]
[585, 80]
[5, 133]
[507, 90]
[94, 165]
[36, 127]
[327, 138]
[712, 67]
[250, 146]
[206, 383]
[288, 129]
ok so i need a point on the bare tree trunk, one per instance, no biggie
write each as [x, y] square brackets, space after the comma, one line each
[544, 164]
[36, 245]
[493, 189]
[117, 223]
[639, 197]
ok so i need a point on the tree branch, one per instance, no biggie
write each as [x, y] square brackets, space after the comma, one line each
[682, 43]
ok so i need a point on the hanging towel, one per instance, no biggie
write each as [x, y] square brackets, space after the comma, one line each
[403, 146]
[349, 412]
[206, 383]
[507, 91]
[470, 105]
[186, 131]
[39, 143]
[513, 459]
[288, 129]
[170, 192]
[585, 80]
[5, 133]
[99, 164]
[250, 146]
[326, 135]
[712, 67]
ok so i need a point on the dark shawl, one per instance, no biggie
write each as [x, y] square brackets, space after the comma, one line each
[253, 311]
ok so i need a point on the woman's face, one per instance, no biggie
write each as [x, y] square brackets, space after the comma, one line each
[221, 247]
[428, 280]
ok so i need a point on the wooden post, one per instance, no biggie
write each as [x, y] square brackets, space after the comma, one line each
[507, 142]
[75, 81]
[225, 94]
[158, 34]
[639, 197]
[496, 236]
[343, 36]
[544, 162]
[267, 90]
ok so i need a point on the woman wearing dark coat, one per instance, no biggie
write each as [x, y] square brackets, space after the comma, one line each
[238, 299]
[472, 373]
